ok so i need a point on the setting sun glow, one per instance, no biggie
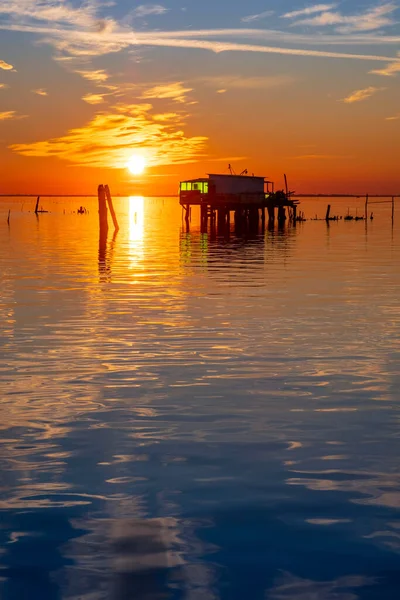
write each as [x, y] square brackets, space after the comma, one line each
[136, 164]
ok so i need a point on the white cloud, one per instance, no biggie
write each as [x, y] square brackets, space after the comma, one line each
[173, 91]
[389, 70]
[372, 19]
[10, 114]
[146, 10]
[40, 92]
[93, 98]
[360, 95]
[240, 82]
[260, 16]
[309, 10]
[5, 66]
[3, 86]
[81, 32]
[394, 118]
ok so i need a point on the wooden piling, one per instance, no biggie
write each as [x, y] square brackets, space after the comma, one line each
[103, 222]
[328, 212]
[271, 213]
[281, 214]
[366, 207]
[111, 207]
[37, 205]
[392, 209]
[8, 218]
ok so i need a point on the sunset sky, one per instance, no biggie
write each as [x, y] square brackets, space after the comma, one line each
[273, 86]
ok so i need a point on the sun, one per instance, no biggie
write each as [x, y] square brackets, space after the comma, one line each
[136, 164]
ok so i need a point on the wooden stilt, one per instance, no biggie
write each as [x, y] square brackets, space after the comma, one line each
[111, 207]
[392, 209]
[366, 207]
[271, 213]
[8, 218]
[37, 205]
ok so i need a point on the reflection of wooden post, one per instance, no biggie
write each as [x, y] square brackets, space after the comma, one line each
[37, 205]
[111, 207]
[102, 211]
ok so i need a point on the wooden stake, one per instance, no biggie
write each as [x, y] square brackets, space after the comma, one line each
[328, 212]
[37, 205]
[111, 207]
[8, 218]
[392, 209]
[102, 211]
[366, 206]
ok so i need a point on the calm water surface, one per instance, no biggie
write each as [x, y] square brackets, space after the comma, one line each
[193, 418]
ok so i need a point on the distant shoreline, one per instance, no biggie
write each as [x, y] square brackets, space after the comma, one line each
[177, 196]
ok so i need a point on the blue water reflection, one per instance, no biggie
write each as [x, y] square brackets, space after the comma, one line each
[194, 416]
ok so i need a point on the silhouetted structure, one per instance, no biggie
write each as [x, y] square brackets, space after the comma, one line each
[246, 196]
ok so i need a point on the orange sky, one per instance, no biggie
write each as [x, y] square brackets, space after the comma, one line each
[310, 90]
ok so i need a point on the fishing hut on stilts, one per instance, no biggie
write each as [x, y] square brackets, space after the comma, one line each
[247, 197]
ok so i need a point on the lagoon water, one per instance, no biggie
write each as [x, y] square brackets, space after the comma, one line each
[193, 418]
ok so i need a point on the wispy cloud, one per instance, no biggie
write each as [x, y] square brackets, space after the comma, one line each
[372, 19]
[5, 66]
[40, 92]
[360, 95]
[390, 70]
[173, 91]
[10, 114]
[98, 76]
[93, 98]
[146, 10]
[394, 118]
[259, 17]
[309, 10]
[3, 86]
[224, 83]
[110, 138]
[82, 32]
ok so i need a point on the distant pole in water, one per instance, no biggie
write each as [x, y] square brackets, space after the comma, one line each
[103, 223]
[8, 218]
[328, 212]
[37, 205]
[392, 209]
[366, 206]
[111, 207]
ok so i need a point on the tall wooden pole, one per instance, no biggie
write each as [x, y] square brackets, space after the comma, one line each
[111, 207]
[328, 212]
[392, 209]
[103, 223]
[366, 206]
[37, 205]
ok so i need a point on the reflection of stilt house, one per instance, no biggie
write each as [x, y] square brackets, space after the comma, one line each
[247, 196]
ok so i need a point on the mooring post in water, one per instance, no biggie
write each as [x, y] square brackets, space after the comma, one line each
[37, 205]
[366, 206]
[328, 212]
[111, 207]
[392, 209]
[102, 211]
[8, 218]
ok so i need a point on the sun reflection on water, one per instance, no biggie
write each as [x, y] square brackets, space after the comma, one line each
[136, 218]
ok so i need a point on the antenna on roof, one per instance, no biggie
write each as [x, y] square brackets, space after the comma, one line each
[245, 172]
[232, 172]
